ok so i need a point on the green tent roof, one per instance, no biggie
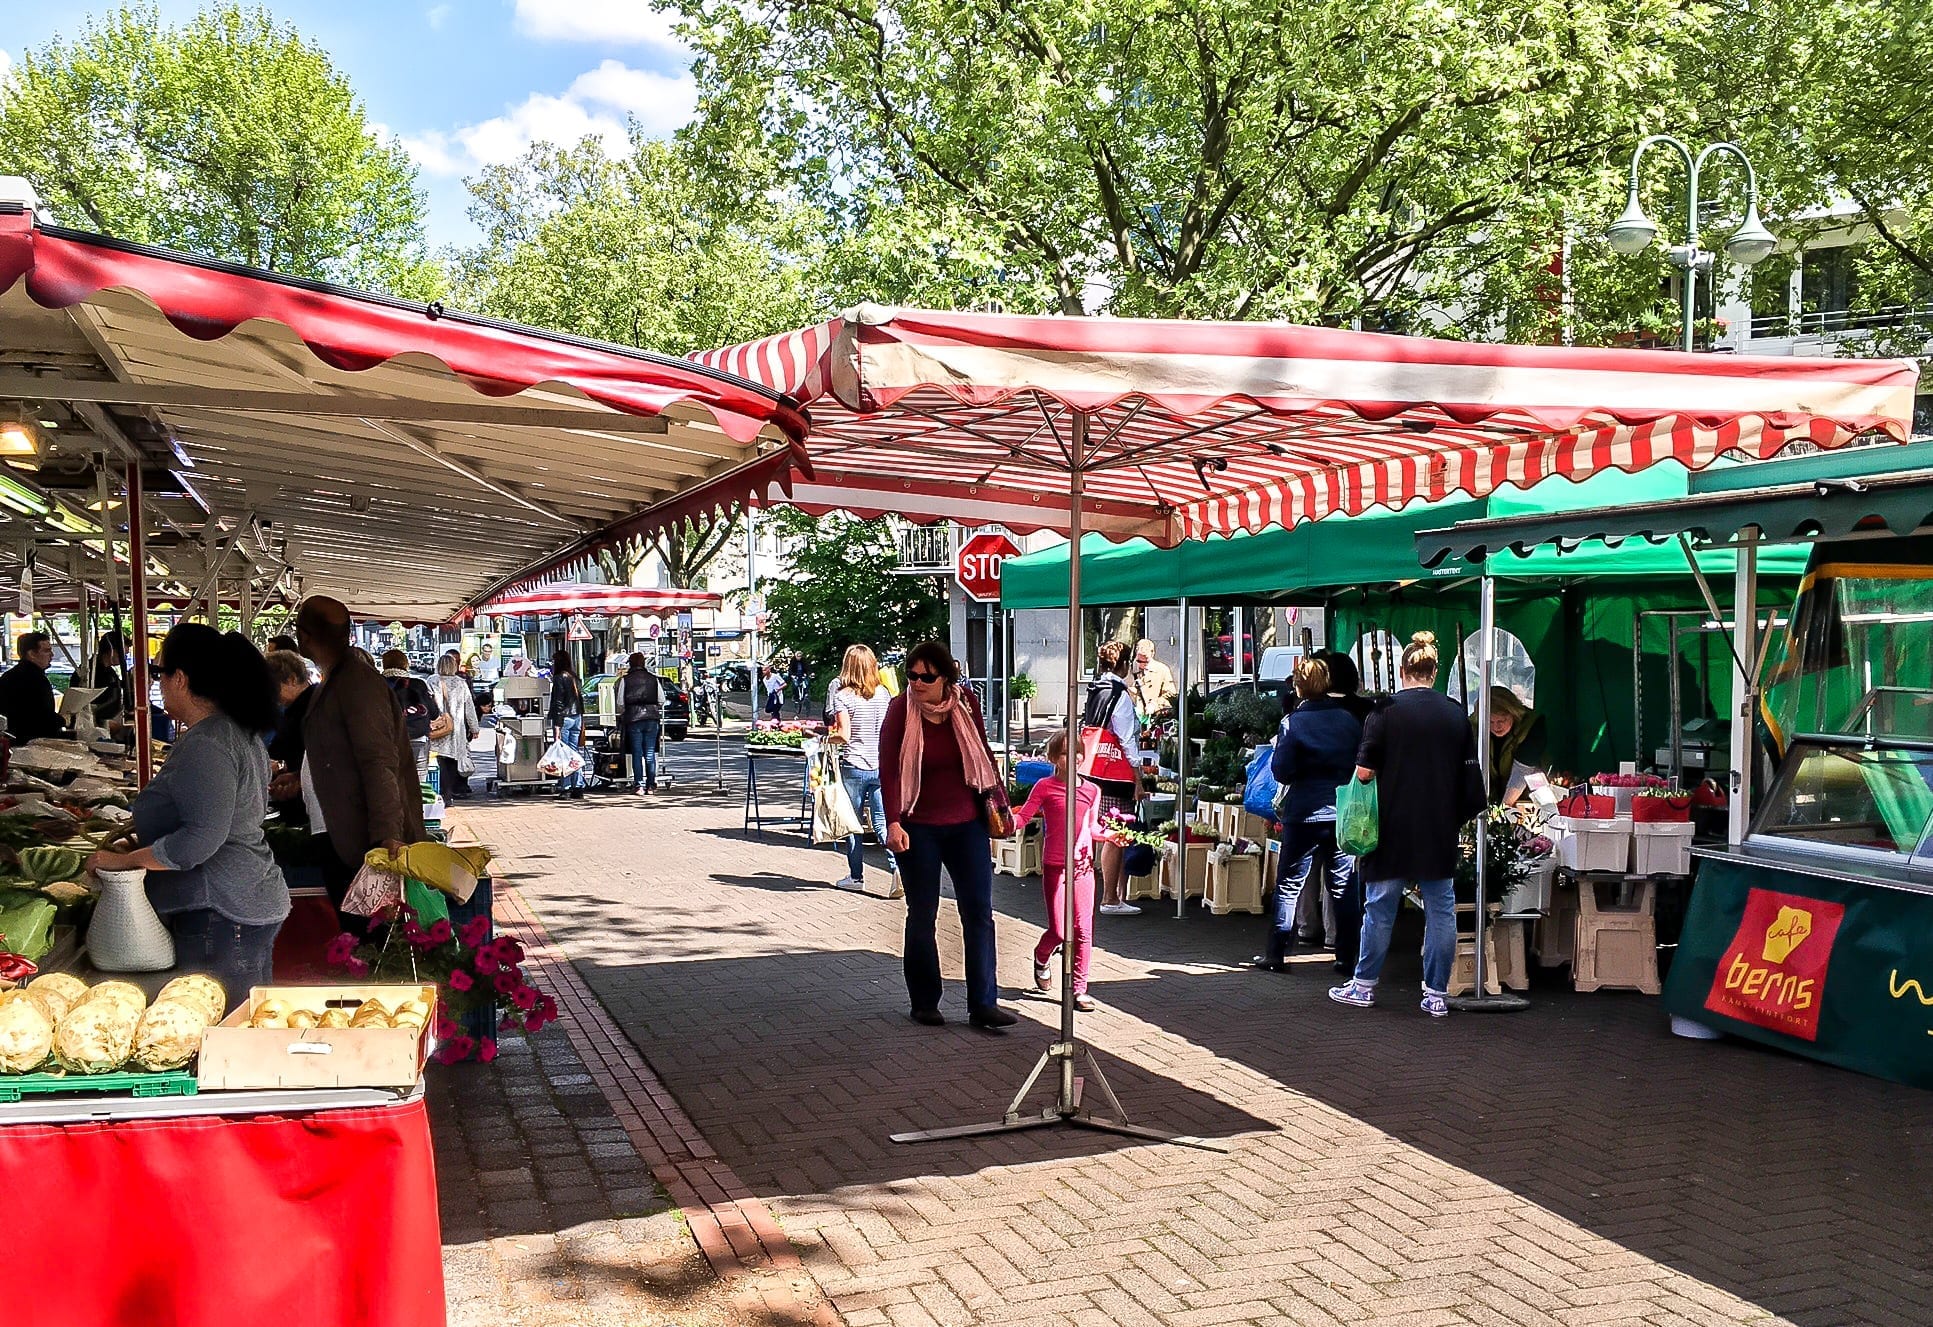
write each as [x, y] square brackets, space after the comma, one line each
[1376, 548]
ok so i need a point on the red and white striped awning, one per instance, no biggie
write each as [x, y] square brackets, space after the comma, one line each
[1198, 428]
[612, 600]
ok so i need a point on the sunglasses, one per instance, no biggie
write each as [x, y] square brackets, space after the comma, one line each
[922, 677]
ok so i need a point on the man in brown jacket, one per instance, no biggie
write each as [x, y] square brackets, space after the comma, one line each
[357, 759]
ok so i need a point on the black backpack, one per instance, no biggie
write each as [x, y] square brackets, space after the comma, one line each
[1103, 694]
[418, 708]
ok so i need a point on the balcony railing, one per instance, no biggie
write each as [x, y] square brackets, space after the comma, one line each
[1824, 322]
[926, 550]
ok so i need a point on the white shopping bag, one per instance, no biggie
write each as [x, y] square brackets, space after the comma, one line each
[833, 820]
[559, 761]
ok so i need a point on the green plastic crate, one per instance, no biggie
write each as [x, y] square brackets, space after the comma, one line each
[177, 1083]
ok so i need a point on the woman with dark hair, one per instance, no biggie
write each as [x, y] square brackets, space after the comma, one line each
[109, 677]
[1114, 763]
[200, 822]
[567, 713]
[643, 701]
[939, 782]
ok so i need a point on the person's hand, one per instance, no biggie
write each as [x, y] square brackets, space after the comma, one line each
[896, 839]
[285, 787]
[394, 847]
[111, 861]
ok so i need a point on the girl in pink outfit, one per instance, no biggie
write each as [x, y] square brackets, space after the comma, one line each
[1049, 800]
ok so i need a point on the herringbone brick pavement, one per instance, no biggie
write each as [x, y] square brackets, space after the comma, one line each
[1574, 1165]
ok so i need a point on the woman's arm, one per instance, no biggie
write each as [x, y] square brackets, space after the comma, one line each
[207, 811]
[891, 733]
[1282, 761]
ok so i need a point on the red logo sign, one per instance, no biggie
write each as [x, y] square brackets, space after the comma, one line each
[977, 567]
[1773, 974]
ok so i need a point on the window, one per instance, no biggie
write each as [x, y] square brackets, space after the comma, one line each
[1511, 667]
[1852, 795]
[1828, 285]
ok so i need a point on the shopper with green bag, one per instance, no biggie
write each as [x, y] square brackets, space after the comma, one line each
[1415, 777]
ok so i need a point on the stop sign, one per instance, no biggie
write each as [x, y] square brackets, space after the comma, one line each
[977, 567]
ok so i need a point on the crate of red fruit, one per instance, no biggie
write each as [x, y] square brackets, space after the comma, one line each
[1661, 806]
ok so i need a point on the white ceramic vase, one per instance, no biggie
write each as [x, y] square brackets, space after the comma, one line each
[126, 935]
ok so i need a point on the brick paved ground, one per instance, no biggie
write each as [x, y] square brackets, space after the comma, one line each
[1574, 1165]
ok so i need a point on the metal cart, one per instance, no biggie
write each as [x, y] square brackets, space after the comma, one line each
[521, 706]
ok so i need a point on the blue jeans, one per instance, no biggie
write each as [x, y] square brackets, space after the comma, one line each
[862, 789]
[965, 854]
[642, 739]
[235, 955]
[570, 732]
[1305, 846]
[1382, 898]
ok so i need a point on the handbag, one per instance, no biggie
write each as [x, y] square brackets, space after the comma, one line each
[441, 727]
[996, 813]
[833, 820]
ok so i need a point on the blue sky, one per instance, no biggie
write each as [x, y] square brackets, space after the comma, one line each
[463, 83]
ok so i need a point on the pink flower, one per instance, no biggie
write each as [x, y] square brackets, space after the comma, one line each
[534, 1020]
[340, 948]
[524, 997]
[475, 932]
[445, 1026]
[460, 1047]
[355, 967]
[413, 933]
[505, 982]
[487, 1051]
[485, 961]
[440, 931]
[548, 1007]
[461, 980]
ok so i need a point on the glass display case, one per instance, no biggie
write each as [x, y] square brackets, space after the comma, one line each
[1855, 798]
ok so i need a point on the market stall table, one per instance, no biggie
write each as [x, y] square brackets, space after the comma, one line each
[230, 1209]
[756, 818]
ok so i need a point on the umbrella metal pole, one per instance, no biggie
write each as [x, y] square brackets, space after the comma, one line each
[1061, 1056]
[1181, 776]
[1480, 1001]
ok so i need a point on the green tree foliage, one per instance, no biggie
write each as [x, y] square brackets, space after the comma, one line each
[229, 136]
[1222, 158]
[840, 588]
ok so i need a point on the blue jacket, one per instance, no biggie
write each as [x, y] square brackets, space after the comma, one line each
[1315, 753]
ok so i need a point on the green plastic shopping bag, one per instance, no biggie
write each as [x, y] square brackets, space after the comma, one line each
[1357, 817]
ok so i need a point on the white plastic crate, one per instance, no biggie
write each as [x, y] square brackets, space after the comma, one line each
[1661, 848]
[1593, 845]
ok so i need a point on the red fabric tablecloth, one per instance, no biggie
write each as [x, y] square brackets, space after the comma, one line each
[324, 1218]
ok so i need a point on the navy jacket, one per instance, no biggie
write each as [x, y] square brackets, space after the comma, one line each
[1315, 753]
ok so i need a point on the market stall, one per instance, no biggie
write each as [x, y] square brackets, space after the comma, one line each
[1807, 928]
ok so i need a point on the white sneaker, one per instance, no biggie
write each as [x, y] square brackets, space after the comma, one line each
[1120, 910]
[847, 883]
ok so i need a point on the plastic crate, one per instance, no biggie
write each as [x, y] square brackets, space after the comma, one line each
[1594, 845]
[1661, 848]
[176, 1083]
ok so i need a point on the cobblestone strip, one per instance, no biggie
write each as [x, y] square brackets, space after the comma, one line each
[735, 1231]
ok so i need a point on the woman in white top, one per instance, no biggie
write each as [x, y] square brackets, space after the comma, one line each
[1110, 705]
[858, 708]
[451, 692]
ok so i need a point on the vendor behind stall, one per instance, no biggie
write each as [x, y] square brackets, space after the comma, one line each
[1517, 746]
[26, 696]
[200, 822]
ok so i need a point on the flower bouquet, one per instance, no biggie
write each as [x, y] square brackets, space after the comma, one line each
[471, 971]
[1660, 805]
[1138, 845]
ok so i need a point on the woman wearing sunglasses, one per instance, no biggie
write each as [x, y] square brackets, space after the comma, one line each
[941, 785]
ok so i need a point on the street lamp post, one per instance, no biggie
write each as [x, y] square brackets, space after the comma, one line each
[1631, 234]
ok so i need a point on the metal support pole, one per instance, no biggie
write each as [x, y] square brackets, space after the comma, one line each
[1067, 1107]
[1181, 773]
[138, 655]
[1744, 742]
[1677, 702]
[1480, 1000]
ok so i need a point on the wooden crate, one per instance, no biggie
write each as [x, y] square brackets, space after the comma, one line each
[1234, 883]
[235, 1056]
[1018, 856]
[1247, 825]
[1463, 976]
[1617, 941]
[1194, 877]
[1506, 937]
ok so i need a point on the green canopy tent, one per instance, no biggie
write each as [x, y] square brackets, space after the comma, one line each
[1575, 607]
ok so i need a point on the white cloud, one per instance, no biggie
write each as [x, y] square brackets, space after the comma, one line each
[596, 103]
[608, 22]
[438, 15]
[6, 68]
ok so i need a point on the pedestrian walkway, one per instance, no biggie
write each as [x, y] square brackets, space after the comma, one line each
[1573, 1165]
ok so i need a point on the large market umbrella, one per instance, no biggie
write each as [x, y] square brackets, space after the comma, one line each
[1171, 430]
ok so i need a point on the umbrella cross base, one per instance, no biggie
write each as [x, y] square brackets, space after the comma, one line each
[1068, 1109]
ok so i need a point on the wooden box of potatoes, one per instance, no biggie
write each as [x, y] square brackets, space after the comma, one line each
[321, 1036]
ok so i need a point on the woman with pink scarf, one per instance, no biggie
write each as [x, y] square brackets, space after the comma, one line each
[938, 778]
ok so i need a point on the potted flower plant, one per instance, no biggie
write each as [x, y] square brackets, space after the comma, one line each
[1660, 805]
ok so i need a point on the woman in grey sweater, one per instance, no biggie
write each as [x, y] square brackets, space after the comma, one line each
[210, 873]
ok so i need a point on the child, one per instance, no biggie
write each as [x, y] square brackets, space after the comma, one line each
[1049, 799]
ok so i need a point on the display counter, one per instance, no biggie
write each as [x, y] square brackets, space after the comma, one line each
[1816, 934]
[234, 1209]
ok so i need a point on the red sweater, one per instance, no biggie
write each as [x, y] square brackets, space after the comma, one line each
[944, 797]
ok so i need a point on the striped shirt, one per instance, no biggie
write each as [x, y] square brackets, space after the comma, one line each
[863, 720]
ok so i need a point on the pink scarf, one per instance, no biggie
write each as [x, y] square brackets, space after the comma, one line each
[977, 764]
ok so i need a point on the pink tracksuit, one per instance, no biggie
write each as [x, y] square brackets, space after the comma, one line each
[1049, 799]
